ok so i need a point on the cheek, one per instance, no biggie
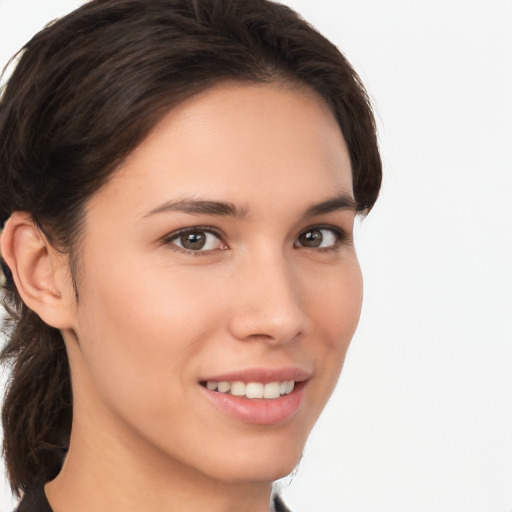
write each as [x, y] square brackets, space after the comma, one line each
[335, 310]
[139, 334]
[335, 303]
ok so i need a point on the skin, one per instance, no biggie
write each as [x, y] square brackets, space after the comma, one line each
[153, 319]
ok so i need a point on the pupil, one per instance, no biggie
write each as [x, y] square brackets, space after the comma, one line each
[193, 241]
[312, 238]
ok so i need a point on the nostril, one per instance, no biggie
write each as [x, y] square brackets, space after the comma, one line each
[280, 325]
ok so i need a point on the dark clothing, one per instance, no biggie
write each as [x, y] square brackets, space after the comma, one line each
[279, 506]
[35, 501]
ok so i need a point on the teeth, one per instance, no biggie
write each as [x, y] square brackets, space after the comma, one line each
[254, 390]
[270, 390]
[223, 387]
[238, 388]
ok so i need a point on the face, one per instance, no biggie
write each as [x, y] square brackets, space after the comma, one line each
[219, 286]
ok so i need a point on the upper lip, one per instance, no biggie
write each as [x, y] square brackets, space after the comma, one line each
[263, 375]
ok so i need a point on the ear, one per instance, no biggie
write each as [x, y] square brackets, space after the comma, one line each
[41, 273]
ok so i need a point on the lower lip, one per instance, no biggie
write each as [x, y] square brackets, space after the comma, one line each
[258, 411]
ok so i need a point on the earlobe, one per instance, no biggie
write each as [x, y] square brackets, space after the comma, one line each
[37, 269]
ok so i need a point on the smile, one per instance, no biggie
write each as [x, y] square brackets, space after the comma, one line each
[252, 390]
[257, 396]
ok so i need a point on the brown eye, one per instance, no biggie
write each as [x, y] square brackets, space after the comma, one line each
[321, 238]
[312, 238]
[193, 241]
[197, 240]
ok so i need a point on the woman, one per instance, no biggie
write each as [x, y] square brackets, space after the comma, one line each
[179, 182]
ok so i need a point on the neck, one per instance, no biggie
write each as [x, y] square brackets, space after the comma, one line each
[112, 468]
[108, 477]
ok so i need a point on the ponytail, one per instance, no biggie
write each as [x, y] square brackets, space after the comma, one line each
[37, 408]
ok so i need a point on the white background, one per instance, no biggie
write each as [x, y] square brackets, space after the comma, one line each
[422, 418]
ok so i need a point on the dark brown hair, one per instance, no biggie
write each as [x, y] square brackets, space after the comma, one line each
[86, 91]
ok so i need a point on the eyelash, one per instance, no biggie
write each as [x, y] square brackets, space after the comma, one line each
[170, 239]
[341, 238]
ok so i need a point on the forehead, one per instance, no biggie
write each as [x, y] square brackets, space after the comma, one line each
[237, 142]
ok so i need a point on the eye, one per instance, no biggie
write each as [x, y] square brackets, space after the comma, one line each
[196, 240]
[320, 238]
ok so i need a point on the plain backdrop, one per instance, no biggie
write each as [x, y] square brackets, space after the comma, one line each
[422, 417]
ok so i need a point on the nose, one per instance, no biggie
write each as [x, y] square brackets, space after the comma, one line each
[267, 302]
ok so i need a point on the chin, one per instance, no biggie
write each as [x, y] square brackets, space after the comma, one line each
[265, 461]
[268, 471]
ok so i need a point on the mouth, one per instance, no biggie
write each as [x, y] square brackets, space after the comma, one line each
[251, 390]
[261, 397]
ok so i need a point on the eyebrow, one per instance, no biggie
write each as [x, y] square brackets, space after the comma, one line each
[339, 202]
[226, 209]
[198, 207]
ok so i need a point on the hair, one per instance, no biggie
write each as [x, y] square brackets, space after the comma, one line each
[85, 93]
